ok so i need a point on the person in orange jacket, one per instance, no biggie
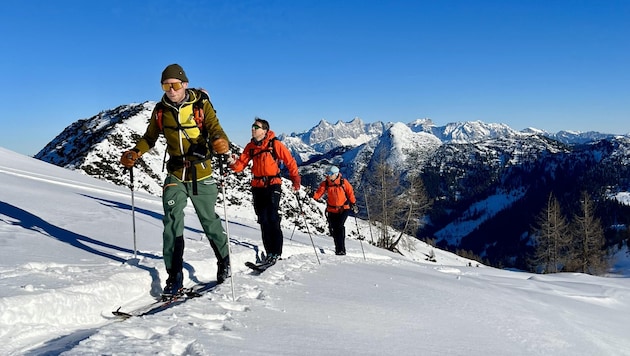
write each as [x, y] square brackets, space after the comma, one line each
[266, 153]
[340, 199]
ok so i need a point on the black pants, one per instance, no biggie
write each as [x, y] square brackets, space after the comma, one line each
[336, 224]
[266, 206]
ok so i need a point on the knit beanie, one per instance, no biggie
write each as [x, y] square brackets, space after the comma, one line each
[174, 71]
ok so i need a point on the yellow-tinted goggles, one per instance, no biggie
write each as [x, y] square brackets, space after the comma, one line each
[175, 86]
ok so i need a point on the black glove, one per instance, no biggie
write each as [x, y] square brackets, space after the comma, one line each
[199, 150]
[354, 208]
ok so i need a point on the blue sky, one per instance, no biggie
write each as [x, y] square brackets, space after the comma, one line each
[549, 64]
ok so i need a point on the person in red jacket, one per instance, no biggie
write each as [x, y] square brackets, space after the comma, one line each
[340, 199]
[266, 153]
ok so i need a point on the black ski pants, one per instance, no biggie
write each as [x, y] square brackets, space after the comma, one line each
[337, 226]
[267, 206]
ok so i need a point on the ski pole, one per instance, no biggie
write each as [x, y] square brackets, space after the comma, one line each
[297, 196]
[222, 162]
[133, 212]
[360, 237]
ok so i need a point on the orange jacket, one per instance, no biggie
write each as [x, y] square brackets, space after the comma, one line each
[265, 169]
[340, 194]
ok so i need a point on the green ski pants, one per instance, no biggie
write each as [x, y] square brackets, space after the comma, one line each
[174, 199]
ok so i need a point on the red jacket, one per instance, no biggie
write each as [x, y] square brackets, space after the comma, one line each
[265, 169]
[340, 194]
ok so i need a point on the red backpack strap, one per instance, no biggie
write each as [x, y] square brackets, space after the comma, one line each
[158, 116]
[198, 111]
[159, 119]
[199, 116]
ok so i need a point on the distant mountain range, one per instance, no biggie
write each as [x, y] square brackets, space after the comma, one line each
[488, 181]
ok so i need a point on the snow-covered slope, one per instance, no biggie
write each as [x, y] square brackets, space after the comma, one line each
[68, 261]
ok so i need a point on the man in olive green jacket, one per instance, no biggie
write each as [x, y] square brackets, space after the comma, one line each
[186, 118]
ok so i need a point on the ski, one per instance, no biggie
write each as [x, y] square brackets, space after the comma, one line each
[259, 267]
[164, 303]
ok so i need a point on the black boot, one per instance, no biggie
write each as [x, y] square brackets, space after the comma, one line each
[173, 284]
[224, 271]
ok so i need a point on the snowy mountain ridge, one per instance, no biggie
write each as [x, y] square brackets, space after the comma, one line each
[465, 165]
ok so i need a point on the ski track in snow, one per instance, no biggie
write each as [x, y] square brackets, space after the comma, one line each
[213, 315]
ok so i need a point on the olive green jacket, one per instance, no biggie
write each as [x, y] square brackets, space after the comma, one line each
[179, 140]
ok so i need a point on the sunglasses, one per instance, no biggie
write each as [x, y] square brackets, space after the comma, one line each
[256, 127]
[175, 86]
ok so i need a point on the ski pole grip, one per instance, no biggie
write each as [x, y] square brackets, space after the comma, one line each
[222, 160]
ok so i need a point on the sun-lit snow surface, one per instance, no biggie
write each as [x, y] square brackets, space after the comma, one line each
[68, 261]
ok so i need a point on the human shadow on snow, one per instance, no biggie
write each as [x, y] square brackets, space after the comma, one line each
[153, 214]
[34, 223]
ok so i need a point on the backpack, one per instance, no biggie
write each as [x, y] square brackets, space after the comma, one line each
[270, 148]
[343, 188]
[335, 185]
[272, 151]
[198, 114]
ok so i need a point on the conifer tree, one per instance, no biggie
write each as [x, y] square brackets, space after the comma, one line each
[589, 254]
[381, 200]
[552, 238]
[395, 204]
[414, 203]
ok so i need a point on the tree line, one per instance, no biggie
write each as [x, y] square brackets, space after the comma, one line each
[397, 207]
[569, 245]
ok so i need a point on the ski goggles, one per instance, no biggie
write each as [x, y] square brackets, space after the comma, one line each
[175, 86]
